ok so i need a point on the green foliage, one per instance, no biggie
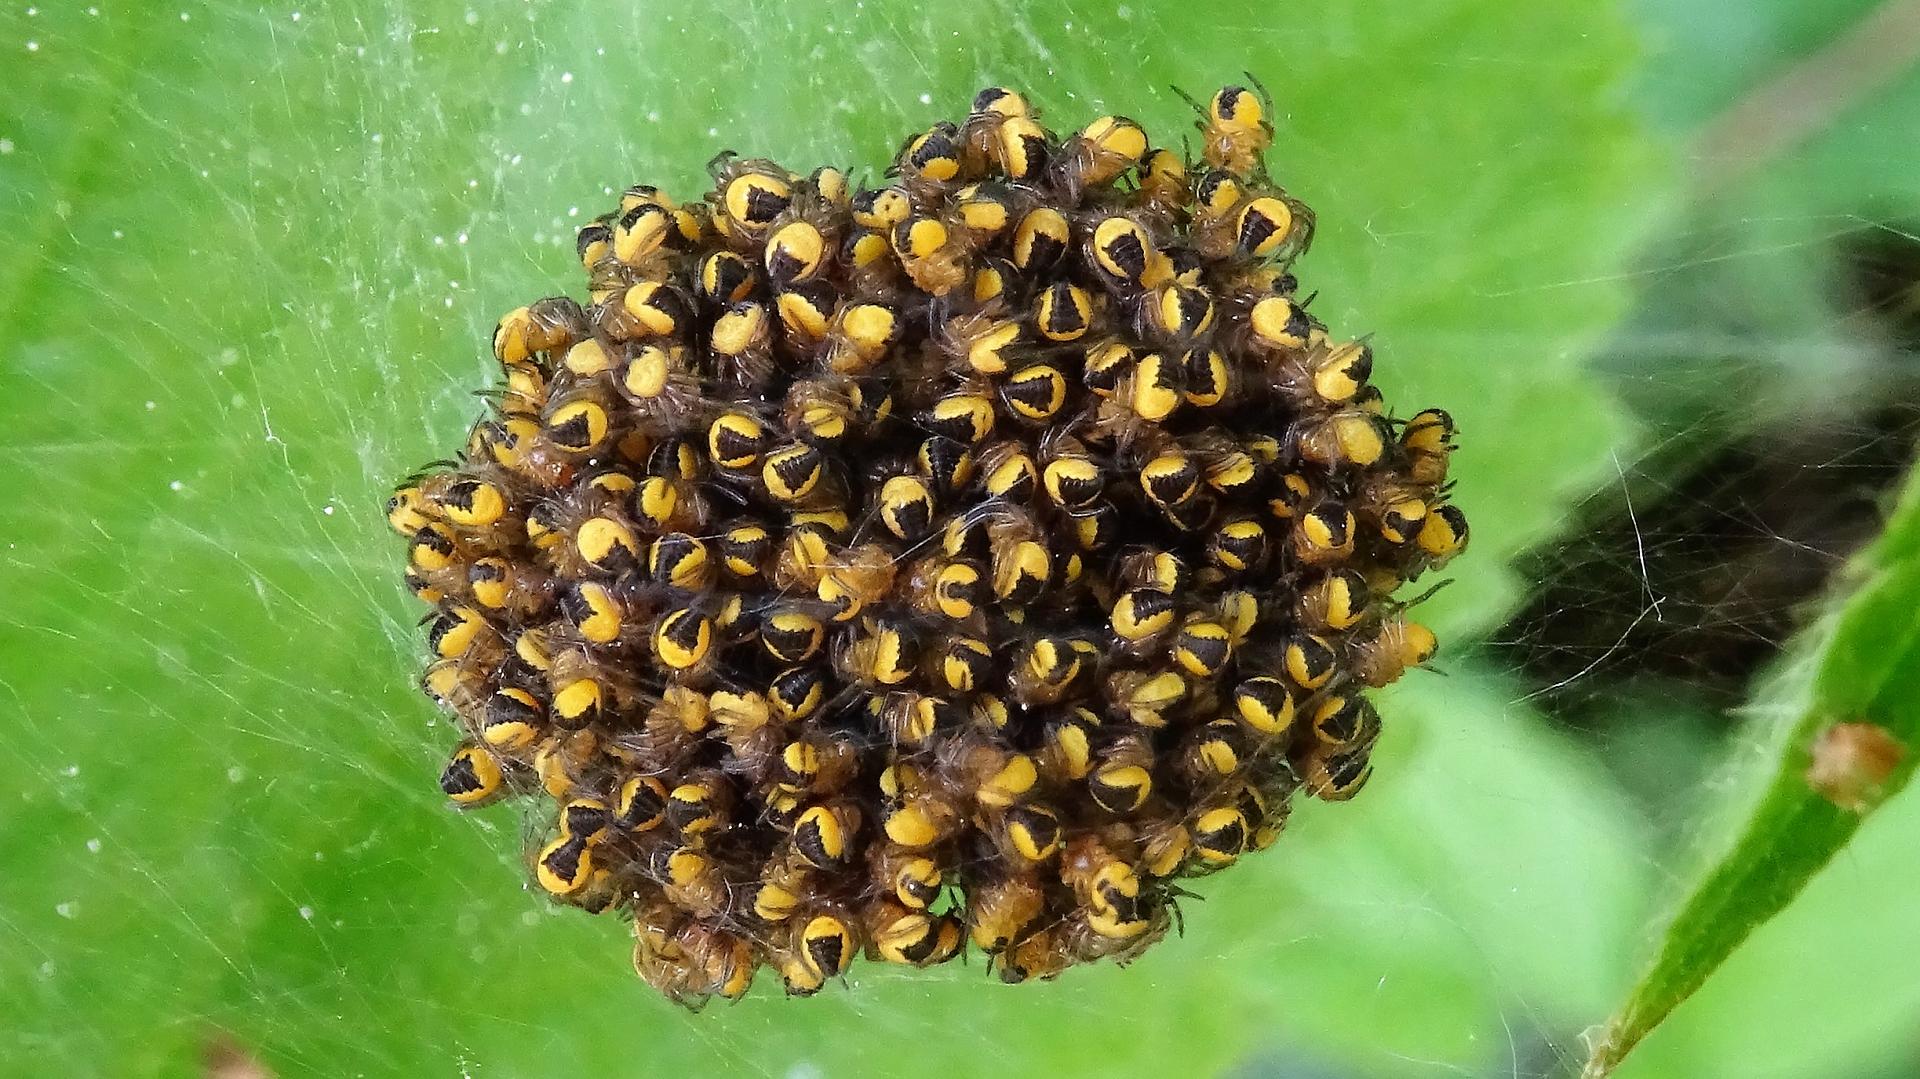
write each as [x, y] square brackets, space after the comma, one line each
[1813, 991]
[1862, 665]
[250, 266]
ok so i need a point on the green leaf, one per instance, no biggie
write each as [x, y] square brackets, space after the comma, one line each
[1705, 55]
[248, 268]
[1489, 876]
[1861, 664]
[1827, 987]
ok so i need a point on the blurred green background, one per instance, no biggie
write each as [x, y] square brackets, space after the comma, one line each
[249, 260]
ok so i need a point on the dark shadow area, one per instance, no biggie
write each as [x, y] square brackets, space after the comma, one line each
[1679, 583]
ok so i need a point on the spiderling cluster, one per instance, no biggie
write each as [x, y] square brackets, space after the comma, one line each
[973, 557]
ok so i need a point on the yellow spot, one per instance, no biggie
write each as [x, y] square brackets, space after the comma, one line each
[1016, 778]
[910, 826]
[577, 699]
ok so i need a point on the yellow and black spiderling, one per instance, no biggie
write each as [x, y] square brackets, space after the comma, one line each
[952, 564]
